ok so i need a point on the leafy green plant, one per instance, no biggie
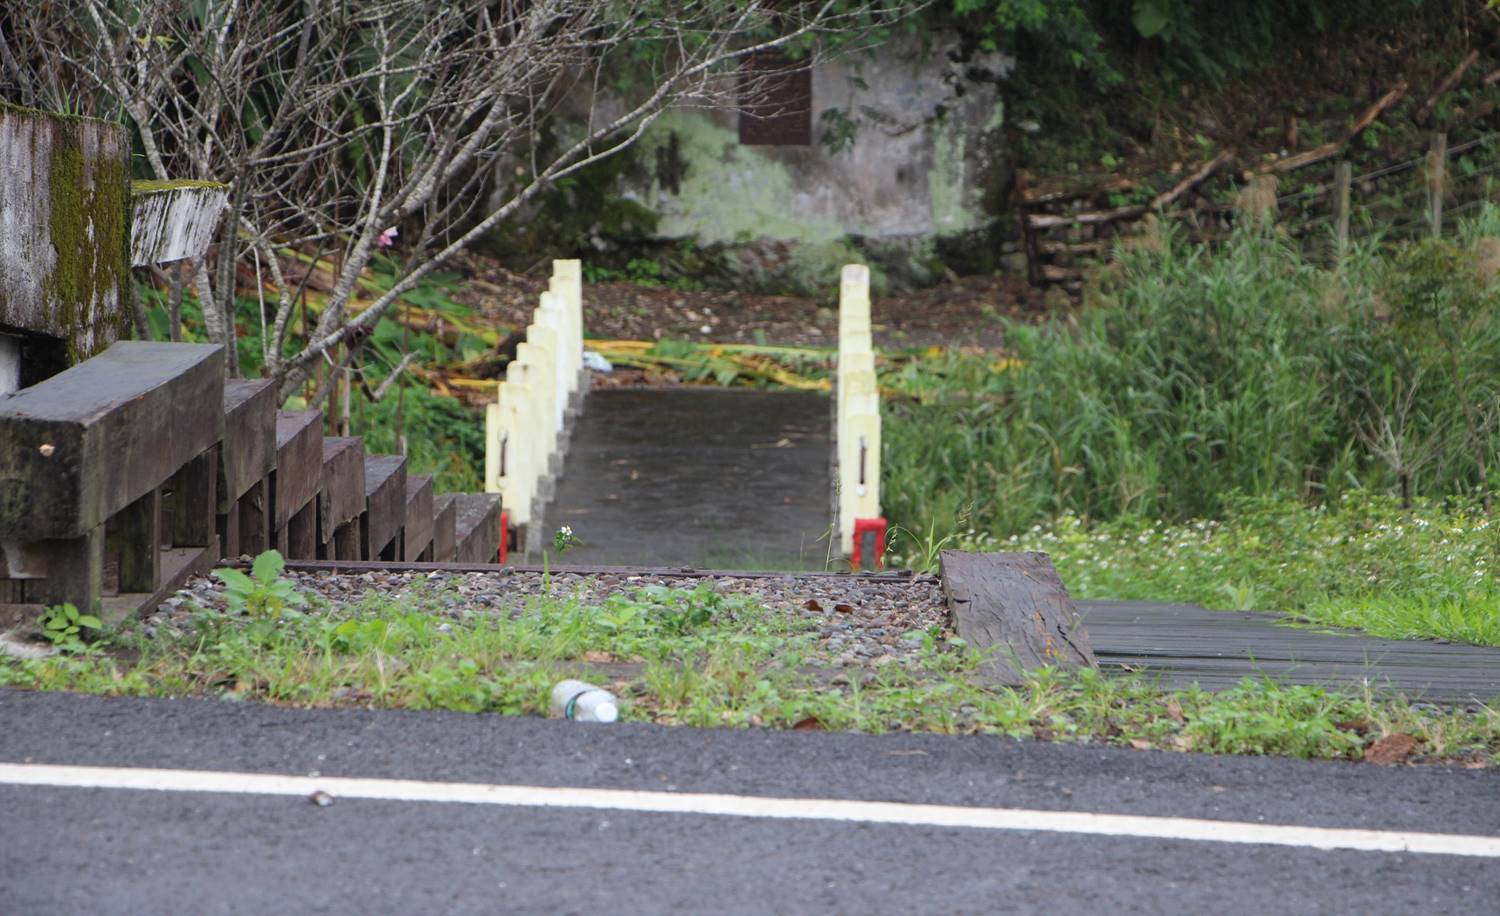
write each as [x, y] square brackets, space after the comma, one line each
[1363, 562]
[264, 594]
[65, 626]
[1195, 373]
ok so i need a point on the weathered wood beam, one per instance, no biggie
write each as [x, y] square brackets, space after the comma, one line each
[295, 483]
[477, 528]
[299, 463]
[249, 451]
[84, 444]
[247, 457]
[444, 527]
[1014, 608]
[64, 193]
[385, 506]
[417, 540]
[1447, 85]
[342, 497]
[194, 502]
[173, 219]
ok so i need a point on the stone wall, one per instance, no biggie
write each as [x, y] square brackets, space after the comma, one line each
[64, 230]
[905, 151]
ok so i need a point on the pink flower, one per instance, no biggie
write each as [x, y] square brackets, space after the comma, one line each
[387, 238]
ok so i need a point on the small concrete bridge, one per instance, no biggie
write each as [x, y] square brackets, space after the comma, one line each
[708, 478]
[696, 477]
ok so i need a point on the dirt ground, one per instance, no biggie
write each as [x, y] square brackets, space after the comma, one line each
[963, 311]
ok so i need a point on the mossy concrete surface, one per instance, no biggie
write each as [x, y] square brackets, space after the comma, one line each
[64, 228]
[905, 152]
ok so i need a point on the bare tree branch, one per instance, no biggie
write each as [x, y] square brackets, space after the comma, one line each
[335, 120]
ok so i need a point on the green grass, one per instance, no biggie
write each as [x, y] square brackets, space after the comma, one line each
[698, 658]
[1363, 563]
[1194, 374]
[1236, 426]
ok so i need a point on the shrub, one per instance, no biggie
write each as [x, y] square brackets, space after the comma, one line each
[1194, 374]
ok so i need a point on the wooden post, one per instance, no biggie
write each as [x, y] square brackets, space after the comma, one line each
[1014, 608]
[137, 530]
[1343, 176]
[254, 510]
[300, 539]
[193, 501]
[1437, 168]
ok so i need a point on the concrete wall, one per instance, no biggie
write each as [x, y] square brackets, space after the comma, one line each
[64, 228]
[919, 165]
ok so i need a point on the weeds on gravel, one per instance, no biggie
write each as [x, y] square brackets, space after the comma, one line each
[696, 657]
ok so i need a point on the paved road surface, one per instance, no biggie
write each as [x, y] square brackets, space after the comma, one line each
[239, 850]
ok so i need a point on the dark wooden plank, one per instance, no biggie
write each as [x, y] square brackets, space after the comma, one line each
[346, 541]
[89, 441]
[249, 451]
[477, 528]
[342, 497]
[1182, 645]
[254, 509]
[385, 504]
[1014, 607]
[299, 539]
[177, 566]
[193, 501]
[444, 527]
[418, 534]
[136, 530]
[299, 463]
[227, 526]
[70, 570]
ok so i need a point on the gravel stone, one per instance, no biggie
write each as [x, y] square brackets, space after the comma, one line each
[861, 622]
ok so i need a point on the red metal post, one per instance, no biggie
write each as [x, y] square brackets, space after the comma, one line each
[862, 527]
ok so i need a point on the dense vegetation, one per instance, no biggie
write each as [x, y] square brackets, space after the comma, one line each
[1195, 375]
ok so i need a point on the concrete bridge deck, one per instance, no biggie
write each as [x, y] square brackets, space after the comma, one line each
[707, 478]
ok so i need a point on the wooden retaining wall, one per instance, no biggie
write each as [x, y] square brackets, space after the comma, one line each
[124, 475]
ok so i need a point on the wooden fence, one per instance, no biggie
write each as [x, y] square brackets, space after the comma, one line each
[1066, 229]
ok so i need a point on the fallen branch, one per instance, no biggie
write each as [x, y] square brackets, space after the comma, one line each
[1447, 85]
[1049, 220]
[1316, 154]
[1161, 201]
[1035, 195]
[1332, 148]
[1376, 110]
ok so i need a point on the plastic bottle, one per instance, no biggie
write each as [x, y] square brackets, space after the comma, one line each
[583, 702]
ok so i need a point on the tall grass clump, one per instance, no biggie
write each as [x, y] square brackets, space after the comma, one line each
[1196, 374]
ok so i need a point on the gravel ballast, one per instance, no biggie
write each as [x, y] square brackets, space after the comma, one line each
[860, 622]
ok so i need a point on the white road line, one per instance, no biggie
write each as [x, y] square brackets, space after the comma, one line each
[819, 809]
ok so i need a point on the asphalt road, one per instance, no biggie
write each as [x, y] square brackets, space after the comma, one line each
[102, 850]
